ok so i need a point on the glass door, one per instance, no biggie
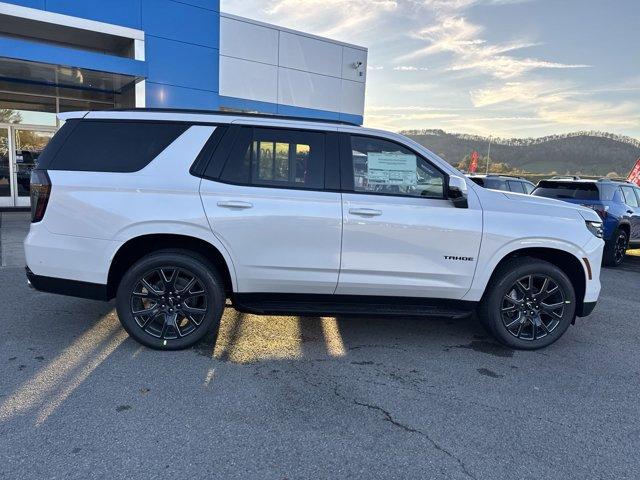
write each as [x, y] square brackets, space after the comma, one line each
[6, 198]
[28, 144]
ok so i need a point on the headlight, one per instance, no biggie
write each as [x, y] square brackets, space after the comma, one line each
[594, 227]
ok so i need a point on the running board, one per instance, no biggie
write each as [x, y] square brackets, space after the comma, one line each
[333, 305]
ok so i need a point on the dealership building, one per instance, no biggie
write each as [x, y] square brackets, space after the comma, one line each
[65, 55]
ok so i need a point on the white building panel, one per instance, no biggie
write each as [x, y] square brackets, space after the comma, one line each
[248, 41]
[310, 54]
[354, 64]
[251, 80]
[309, 90]
[352, 97]
[266, 63]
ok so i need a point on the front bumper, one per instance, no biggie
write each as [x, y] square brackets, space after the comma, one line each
[62, 286]
[587, 309]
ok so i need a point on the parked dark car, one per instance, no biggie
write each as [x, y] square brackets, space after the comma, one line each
[617, 203]
[506, 183]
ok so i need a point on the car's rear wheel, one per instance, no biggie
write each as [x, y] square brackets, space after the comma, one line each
[529, 304]
[616, 248]
[170, 299]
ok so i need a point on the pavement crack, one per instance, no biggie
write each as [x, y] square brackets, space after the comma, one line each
[389, 418]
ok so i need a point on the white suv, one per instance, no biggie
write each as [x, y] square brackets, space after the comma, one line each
[173, 212]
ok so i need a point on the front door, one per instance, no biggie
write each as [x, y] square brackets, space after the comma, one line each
[401, 237]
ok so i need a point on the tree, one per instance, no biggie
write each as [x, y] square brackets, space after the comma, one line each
[9, 116]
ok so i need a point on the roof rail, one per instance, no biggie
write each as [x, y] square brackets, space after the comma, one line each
[505, 175]
[565, 177]
[234, 114]
[621, 180]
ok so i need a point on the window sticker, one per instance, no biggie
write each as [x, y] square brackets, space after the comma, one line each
[391, 168]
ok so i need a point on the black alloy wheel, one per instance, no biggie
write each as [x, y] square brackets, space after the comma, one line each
[533, 307]
[169, 302]
[171, 299]
[528, 304]
[620, 247]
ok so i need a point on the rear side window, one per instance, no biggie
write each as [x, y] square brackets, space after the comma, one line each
[528, 187]
[567, 190]
[515, 186]
[115, 146]
[277, 158]
[496, 184]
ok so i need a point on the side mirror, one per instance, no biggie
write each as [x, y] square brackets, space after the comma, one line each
[457, 191]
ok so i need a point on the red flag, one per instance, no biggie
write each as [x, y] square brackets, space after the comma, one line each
[634, 176]
[474, 162]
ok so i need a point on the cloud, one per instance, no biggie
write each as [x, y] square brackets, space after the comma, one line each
[454, 34]
[331, 18]
[409, 68]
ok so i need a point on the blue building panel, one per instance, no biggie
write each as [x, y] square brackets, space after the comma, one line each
[39, 4]
[169, 96]
[208, 4]
[182, 65]
[119, 12]
[182, 22]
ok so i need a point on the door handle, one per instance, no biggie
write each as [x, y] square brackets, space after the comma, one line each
[365, 212]
[235, 204]
[630, 212]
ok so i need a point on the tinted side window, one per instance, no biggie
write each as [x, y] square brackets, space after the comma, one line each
[515, 186]
[278, 158]
[629, 196]
[115, 146]
[381, 166]
[528, 187]
[496, 184]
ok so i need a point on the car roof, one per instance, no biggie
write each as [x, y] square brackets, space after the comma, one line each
[205, 116]
[588, 180]
[505, 177]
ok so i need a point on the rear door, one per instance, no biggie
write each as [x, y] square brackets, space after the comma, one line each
[516, 186]
[401, 237]
[633, 210]
[264, 196]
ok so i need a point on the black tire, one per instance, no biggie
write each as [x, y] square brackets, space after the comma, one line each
[615, 249]
[180, 313]
[538, 322]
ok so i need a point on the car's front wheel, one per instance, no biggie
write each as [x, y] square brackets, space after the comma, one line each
[170, 299]
[529, 304]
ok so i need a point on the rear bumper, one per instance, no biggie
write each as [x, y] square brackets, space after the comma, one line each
[62, 286]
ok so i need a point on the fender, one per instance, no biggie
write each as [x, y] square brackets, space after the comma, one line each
[175, 227]
[488, 263]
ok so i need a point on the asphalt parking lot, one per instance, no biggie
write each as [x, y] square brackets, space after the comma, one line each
[289, 397]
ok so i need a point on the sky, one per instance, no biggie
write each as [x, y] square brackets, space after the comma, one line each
[507, 68]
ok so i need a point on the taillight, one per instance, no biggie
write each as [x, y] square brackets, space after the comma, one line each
[40, 191]
[601, 210]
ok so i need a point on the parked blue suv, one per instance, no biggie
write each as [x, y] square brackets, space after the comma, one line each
[617, 203]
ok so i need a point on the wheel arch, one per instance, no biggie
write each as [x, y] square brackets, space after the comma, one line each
[137, 247]
[571, 265]
[624, 225]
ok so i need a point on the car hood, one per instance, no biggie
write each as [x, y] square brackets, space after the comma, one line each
[552, 203]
